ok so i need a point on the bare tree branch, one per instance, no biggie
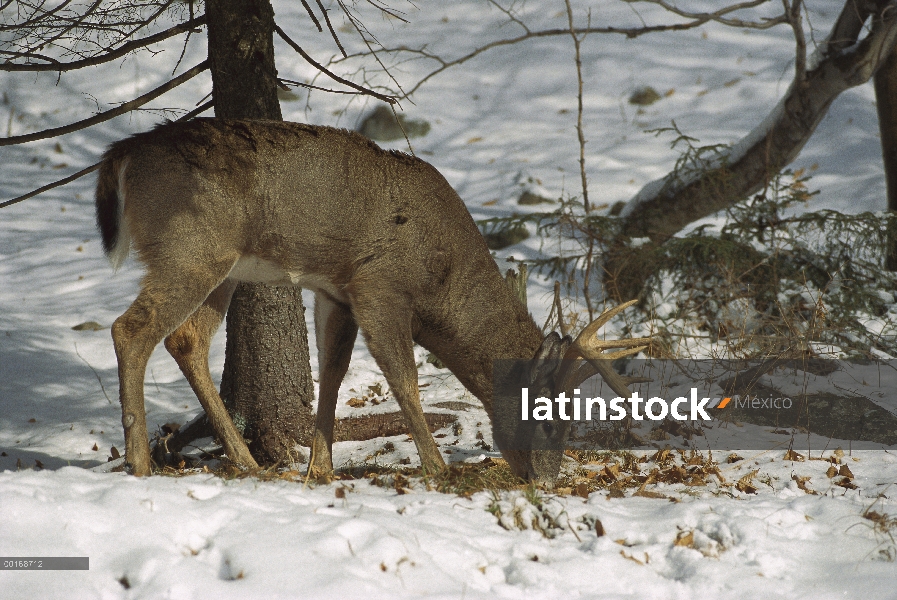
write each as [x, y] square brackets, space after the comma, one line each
[323, 69]
[514, 18]
[73, 27]
[698, 19]
[50, 186]
[387, 11]
[288, 82]
[582, 156]
[849, 24]
[792, 12]
[720, 15]
[103, 58]
[330, 27]
[312, 15]
[93, 167]
[362, 30]
[109, 114]
[663, 207]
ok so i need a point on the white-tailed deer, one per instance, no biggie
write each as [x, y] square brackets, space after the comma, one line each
[383, 240]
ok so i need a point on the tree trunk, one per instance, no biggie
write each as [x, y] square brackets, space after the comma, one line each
[267, 382]
[664, 207]
[886, 103]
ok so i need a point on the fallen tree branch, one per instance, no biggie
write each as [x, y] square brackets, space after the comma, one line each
[353, 429]
[665, 206]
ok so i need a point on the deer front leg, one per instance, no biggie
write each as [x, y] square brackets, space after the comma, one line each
[189, 346]
[387, 331]
[335, 330]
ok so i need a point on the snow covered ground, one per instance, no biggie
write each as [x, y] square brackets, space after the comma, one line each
[499, 119]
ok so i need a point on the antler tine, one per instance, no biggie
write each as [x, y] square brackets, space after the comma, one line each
[588, 332]
[592, 328]
[618, 353]
[597, 344]
[617, 382]
[588, 369]
[587, 346]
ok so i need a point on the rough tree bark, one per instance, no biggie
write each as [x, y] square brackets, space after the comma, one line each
[886, 104]
[664, 207]
[267, 382]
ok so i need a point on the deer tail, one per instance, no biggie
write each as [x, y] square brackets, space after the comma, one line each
[110, 204]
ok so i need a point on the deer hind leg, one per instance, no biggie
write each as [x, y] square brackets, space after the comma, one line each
[167, 298]
[189, 346]
[387, 331]
[335, 330]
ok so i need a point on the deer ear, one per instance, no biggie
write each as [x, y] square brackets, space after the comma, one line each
[547, 359]
[553, 347]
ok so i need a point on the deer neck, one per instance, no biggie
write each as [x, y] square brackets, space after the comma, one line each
[482, 322]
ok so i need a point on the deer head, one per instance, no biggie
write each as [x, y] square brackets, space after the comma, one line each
[534, 449]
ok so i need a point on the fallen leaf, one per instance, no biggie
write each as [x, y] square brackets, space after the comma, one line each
[794, 456]
[685, 539]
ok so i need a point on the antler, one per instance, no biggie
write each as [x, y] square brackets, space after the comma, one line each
[587, 346]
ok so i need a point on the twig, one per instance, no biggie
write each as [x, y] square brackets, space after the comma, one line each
[557, 308]
[330, 27]
[698, 19]
[334, 76]
[510, 14]
[388, 11]
[361, 29]
[582, 158]
[97, 375]
[50, 186]
[719, 16]
[570, 525]
[579, 132]
[106, 57]
[312, 15]
[317, 87]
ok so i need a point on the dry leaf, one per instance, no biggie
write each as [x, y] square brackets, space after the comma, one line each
[745, 484]
[802, 484]
[846, 483]
[582, 490]
[794, 456]
[685, 539]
